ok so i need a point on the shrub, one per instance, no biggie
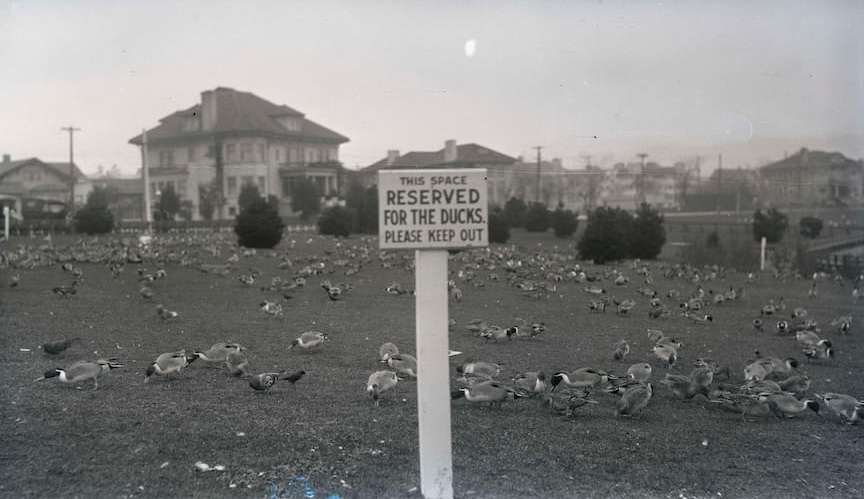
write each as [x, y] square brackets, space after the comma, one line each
[259, 225]
[306, 198]
[499, 230]
[248, 194]
[169, 203]
[364, 203]
[648, 235]
[713, 240]
[564, 222]
[537, 218]
[336, 221]
[771, 225]
[606, 235]
[95, 217]
[810, 227]
[514, 210]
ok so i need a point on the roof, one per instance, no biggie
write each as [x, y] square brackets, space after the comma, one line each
[812, 159]
[736, 175]
[466, 155]
[61, 169]
[240, 113]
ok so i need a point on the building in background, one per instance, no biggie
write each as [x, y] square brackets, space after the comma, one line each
[232, 138]
[812, 178]
[31, 183]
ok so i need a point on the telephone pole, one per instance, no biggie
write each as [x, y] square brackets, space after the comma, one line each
[71, 130]
[537, 195]
[641, 196]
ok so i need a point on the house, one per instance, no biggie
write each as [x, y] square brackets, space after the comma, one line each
[232, 138]
[126, 194]
[628, 185]
[812, 178]
[34, 178]
[500, 167]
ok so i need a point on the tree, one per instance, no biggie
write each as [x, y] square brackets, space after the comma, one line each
[248, 194]
[648, 235]
[169, 203]
[259, 225]
[515, 210]
[810, 227]
[306, 198]
[499, 232]
[564, 222]
[606, 235]
[364, 203]
[592, 187]
[771, 225]
[95, 217]
[537, 218]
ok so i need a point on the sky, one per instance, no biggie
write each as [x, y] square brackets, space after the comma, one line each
[750, 81]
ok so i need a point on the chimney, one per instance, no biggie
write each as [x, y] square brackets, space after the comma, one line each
[7, 158]
[208, 110]
[450, 151]
[392, 156]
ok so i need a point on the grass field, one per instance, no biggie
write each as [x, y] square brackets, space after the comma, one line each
[131, 439]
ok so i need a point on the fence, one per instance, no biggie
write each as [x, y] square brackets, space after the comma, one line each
[45, 227]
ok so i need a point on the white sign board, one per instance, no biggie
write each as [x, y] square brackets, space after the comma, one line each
[433, 209]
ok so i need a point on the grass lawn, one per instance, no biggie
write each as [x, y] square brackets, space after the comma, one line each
[131, 439]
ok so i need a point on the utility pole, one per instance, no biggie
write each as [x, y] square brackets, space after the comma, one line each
[71, 130]
[719, 179]
[537, 196]
[641, 195]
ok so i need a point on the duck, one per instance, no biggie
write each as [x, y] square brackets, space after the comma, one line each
[758, 370]
[531, 382]
[640, 372]
[479, 367]
[169, 363]
[821, 350]
[403, 364]
[491, 392]
[146, 292]
[529, 331]
[294, 377]
[782, 327]
[14, 280]
[585, 377]
[715, 367]
[758, 325]
[387, 350]
[66, 291]
[698, 318]
[655, 336]
[786, 405]
[634, 399]
[846, 407]
[681, 386]
[218, 352]
[82, 371]
[270, 308]
[57, 347]
[497, 333]
[334, 293]
[597, 306]
[625, 306]
[842, 323]
[796, 385]
[263, 382]
[307, 340]
[567, 401]
[799, 313]
[782, 368]
[667, 353]
[166, 314]
[756, 387]
[380, 382]
[237, 363]
[622, 350]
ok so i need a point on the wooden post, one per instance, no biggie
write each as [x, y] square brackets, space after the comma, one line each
[433, 386]
[762, 253]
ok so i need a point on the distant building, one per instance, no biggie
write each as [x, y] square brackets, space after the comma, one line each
[500, 167]
[812, 178]
[251, 140]
[34, 178]
[126, 195]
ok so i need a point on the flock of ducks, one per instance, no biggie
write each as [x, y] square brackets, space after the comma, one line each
[771, 385]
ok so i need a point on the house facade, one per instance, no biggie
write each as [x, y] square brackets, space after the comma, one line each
[34, 178]
[233, 138]
[812, 178]
[499, 167]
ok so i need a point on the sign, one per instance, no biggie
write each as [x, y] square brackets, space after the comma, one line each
[433, 209]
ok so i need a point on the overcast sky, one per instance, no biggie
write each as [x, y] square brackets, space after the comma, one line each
[750, 80]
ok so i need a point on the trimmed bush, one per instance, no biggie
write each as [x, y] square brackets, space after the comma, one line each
[648, 235]
[248, 194]
[537, 218]
[259, 225]
[810, 227]
[515, 210]
[564, 222]
[713, 240]
[95, 217]
[771, 225]
[336, 221]
[499, 231]
[606, 235]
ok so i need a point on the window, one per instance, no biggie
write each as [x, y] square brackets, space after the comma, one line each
[246, 152]
[232, 186]
[261, 186]
[261, 153]
[230, 151]
[166, 157]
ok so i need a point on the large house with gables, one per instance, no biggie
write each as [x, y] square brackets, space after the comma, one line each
[33, 178]
[812, 178]
[232, 138]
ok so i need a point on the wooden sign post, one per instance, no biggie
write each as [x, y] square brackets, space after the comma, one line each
[432, 211]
